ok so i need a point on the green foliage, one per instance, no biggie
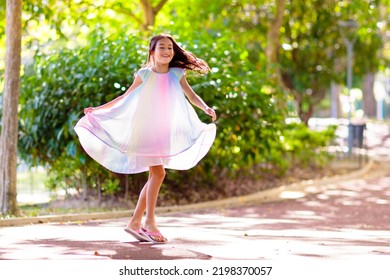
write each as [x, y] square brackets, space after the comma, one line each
[307, 147]
[59, 85]
[249, 122]
[307, 58]
[110, 186]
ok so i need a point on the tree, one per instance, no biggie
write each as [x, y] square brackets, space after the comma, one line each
[313, 46]
[307, 58]
[9, 133]
[369, 102]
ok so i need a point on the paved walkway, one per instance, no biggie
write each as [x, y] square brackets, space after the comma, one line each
[344, 220]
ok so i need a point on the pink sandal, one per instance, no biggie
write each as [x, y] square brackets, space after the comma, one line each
[150, 234]
[137, 234]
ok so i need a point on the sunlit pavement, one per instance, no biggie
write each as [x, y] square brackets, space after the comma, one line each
[347, 220]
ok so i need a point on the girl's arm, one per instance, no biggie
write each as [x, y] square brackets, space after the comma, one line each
[195, 99]
[137, 81]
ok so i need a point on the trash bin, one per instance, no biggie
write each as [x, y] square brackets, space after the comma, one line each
[357, 134]
[356, 131]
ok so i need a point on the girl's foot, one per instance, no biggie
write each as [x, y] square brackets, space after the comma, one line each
[135, 230]
[137, 234]
[152, 232]
[154, 236]
[134, 225]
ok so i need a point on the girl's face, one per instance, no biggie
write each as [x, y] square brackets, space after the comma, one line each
[163, 53]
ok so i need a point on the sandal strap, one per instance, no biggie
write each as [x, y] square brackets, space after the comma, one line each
[152, 233]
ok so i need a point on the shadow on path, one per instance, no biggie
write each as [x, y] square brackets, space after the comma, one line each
[104, 249]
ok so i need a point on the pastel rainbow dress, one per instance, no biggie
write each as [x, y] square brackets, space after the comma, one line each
[153, 125]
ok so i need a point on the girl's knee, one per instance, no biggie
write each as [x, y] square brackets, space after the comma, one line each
[157, 171]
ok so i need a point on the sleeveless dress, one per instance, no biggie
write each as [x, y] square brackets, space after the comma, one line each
[153, 125]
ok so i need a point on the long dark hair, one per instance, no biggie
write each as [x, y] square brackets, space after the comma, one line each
[181, 59]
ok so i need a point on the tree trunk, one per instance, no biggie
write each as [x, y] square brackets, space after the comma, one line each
[9, 133]
[369, 102]
[149, 16]
[150, 12]
[273, 44]
[305, 115]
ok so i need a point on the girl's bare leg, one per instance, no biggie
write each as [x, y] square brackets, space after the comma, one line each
[147, 201]
[157, 175]
[135, 221]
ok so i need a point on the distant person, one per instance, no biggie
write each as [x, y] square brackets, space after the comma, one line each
[151, 127]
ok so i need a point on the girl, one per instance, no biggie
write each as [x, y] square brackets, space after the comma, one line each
[151, 127]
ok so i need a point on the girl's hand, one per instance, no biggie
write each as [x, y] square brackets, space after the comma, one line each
[88, 110]
[210, 111]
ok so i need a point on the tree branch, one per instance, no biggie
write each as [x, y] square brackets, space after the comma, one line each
[118, 8]
[159, 6]
[127, 12]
